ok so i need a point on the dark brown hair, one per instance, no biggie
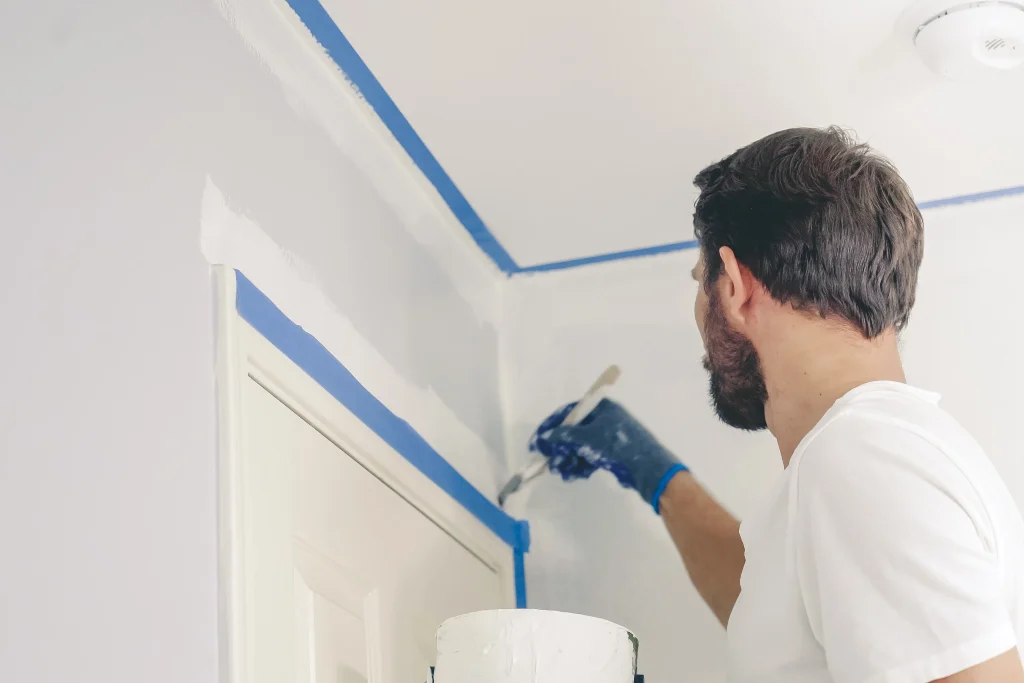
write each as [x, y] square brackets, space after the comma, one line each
[822, 221]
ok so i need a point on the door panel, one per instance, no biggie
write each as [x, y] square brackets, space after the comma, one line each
[336, 622]
[346, 581]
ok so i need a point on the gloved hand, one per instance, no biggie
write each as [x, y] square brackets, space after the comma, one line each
[608, 438]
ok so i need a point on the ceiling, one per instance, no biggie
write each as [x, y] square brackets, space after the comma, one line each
[574, 127]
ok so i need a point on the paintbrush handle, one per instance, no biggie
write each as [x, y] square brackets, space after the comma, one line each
[534, 469]
[589, 401]
[592, 396]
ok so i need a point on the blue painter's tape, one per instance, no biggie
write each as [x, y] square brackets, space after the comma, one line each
[693, 244]
[317, 362]
[971, 198]
[615, 256]
[520, 569]
[327, 33]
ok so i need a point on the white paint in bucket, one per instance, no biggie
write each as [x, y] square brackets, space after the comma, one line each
[533, 646]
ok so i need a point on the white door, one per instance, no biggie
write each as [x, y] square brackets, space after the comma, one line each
[345, 581]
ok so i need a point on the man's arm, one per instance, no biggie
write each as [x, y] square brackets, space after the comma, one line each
[1006, 668]
[706, 535]
[708, 539]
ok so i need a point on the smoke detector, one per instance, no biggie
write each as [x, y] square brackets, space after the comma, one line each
[973, 41]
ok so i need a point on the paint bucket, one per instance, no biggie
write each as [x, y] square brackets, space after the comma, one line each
[533, 646]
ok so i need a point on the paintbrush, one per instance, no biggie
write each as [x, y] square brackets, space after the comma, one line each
[589, 401]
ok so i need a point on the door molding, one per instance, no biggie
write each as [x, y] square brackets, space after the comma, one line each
[246, 324]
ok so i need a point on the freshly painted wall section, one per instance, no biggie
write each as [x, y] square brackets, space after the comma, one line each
[324, 368]
[323, 29]
[415, 257]
[140, 142]
[232, 239]
[597, 548]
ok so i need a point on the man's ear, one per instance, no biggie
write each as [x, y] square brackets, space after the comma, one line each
[737, 288]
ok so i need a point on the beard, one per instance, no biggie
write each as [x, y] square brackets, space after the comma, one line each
[736, 381]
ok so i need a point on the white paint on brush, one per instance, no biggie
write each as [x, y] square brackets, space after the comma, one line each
[533, 646]
[230, 238]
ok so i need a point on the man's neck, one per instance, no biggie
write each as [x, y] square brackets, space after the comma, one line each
[815, 366]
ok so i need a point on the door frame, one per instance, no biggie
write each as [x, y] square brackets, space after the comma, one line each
[242, 352]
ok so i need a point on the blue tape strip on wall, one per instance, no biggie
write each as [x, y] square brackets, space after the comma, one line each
[615, 256]
[330, 37]
[972, 198]
[317, 362]
[520, 576]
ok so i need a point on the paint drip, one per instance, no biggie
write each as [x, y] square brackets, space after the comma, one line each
[534, 646]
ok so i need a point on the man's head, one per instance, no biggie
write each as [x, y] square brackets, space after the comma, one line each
[803, 222]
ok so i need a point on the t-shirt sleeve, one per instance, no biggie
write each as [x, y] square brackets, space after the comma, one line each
[895, 557]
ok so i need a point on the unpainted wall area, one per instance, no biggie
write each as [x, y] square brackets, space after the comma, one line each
[598, 549]
[964, 337]
[114, 115]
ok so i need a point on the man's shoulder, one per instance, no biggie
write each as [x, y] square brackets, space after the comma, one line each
[886, 420]
[881, 448]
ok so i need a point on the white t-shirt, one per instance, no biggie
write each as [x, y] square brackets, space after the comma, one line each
[890, 551]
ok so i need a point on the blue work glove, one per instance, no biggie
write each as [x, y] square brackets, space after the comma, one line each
[609, 438]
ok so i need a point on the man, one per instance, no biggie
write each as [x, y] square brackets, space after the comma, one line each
[889, 551]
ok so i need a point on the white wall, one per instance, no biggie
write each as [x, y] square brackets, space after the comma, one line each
[116, 120]
[598, 549]
[965, 335]
[132, 134]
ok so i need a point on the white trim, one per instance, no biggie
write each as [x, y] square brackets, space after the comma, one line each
[228, 370]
